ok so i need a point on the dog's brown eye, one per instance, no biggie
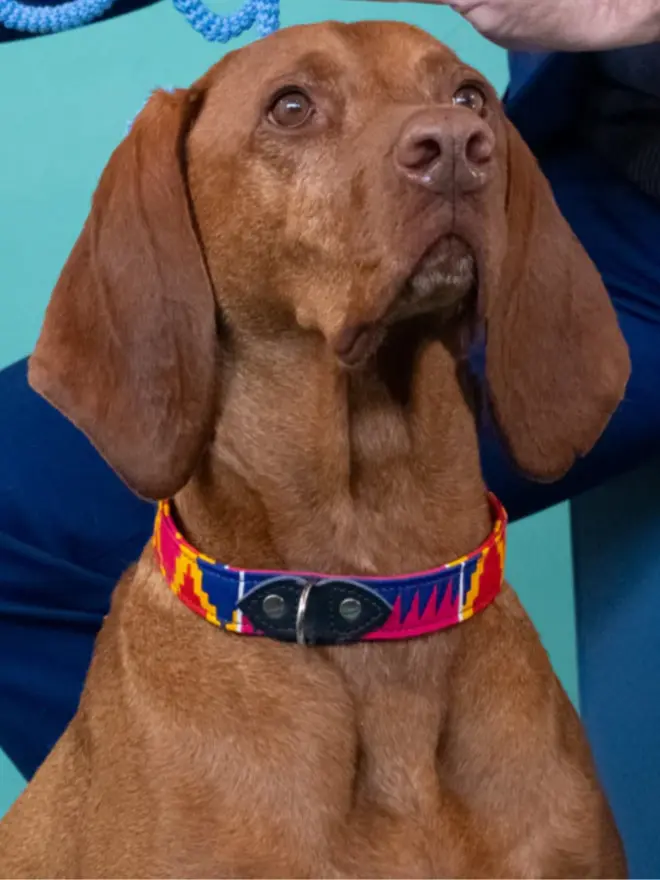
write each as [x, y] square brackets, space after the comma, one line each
[472, 98]
[291, 109]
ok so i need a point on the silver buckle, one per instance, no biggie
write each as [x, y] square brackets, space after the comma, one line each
[300, 614]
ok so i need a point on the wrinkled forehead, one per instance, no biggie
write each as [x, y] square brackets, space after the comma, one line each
[386, 58]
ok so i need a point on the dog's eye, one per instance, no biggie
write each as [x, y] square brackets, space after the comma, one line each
[471, 97]
[291, 109]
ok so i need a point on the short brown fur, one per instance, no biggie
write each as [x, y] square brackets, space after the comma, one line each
[193, 337]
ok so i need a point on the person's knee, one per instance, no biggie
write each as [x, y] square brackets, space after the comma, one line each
[57, 494]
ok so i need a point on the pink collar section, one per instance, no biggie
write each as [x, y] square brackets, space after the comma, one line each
[315, 609]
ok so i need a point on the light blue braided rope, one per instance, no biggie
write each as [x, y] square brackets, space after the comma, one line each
[222, 28]
[51, 19]
[75, 13]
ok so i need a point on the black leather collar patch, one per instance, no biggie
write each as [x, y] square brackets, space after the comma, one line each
[314, 612]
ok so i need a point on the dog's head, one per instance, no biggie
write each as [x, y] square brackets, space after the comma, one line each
[327, 182]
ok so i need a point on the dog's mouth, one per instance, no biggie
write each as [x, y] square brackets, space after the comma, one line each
[441, 283]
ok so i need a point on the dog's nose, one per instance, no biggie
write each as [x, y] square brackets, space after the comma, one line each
[445, 151]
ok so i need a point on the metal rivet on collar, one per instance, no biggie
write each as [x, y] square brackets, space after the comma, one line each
[350, 609]
[274, 606]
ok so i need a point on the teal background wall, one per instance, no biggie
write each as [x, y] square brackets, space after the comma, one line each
[65, 102]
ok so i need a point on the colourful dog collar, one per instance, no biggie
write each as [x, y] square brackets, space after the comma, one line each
[328, 610]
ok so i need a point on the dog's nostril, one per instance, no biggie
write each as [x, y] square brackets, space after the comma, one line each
[423, 153]
[479, 147]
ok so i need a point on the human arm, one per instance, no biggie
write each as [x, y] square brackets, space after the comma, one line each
[562, 25]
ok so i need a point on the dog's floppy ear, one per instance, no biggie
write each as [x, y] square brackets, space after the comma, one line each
[127, 347]
[556, 362]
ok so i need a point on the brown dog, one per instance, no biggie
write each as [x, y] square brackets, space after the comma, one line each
[266, 317]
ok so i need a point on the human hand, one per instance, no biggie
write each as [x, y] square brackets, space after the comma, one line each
[561, 25]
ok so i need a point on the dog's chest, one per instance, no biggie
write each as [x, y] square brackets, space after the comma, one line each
[332, 769]
[246, 757]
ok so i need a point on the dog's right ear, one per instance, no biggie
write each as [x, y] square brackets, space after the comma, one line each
[127, 350]
[556, 361]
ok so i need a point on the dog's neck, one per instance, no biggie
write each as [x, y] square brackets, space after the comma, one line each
[372, 472]
[316, 468]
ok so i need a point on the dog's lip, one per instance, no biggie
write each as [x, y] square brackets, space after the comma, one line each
[448, 241]
[449, 246]
[356, 342]
[350, 340]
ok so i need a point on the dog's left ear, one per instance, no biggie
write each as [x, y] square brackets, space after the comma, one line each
[128, 346]
[556, 362]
